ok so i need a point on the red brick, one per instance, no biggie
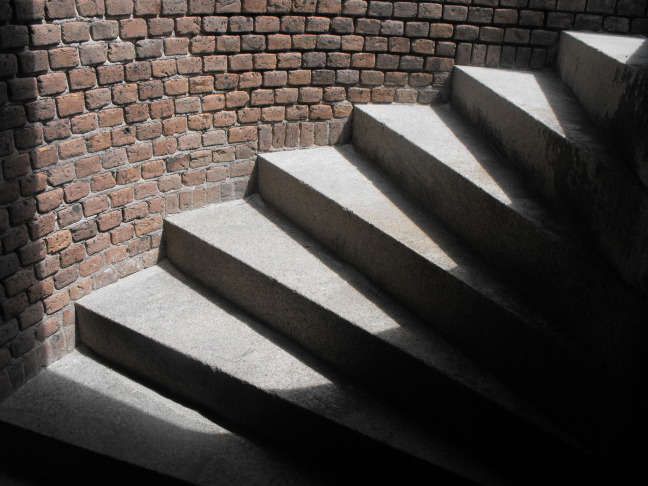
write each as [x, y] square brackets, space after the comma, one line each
[224, 119]
[98, 98]
[273, 113]
[121, 234]
[145, 189]
[199, 122]
[165, 146]
[76, 32]
[128, 175]
[87, 166]
[98, 243]
[123, 136]
[132, 28]
[169, 182]
[50, 200]
[262, 97]
[213, 102]
[148, 225]
[173, 125]
[125, 94]
[109, 220]
[80, 289]
[58, 241]
[138, 71]
[76, 191]
[83, 231]
[242, 134]
[250, 80]
[69, 215]
[117, 254]
[243, 168]
[98, 141]
[215, 63]
[136, 211]
[84, 123]
[111, 117]
[63, 57]
[57, 301]
[95, 205]
[177, 162]
[82, 78]
[110, 74]
[48, 328]
[194, 177]
[71, 148]
[43, 288]
[45, 34]
[57, 130]
[156, 205]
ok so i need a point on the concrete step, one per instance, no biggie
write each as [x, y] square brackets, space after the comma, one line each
[245, 252]
[538, 125]
[175, 333]
[439, 159]
[341, 199]
[80, 404]
[608, 74]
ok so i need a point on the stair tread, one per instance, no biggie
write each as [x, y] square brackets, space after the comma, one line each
[345, 176]
[459, 146]
[625, 49]
[162, 305]
[80, 401]
[288, 257]
[544, 97]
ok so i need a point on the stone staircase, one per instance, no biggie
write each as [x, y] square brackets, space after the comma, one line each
[458, 296]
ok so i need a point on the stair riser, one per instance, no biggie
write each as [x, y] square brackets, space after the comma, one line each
[613, 93]
[256, 410]
[471, 321]
[593, 184]
[385, 369]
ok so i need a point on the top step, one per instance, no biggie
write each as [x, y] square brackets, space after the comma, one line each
[538, 125]
[609, 76]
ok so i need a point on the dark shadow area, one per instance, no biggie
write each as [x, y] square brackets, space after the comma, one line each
[639, 58]
[77, 412]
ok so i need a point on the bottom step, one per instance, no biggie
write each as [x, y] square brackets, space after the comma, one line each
[81, 402]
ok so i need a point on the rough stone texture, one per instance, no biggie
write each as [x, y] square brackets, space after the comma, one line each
[87, 84]
[82, 402]
[612, 85]
[273, 388]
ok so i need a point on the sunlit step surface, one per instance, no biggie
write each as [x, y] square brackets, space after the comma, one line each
[544, 133]
[173, 332]
[343, 200]
[246, 252]
[440, 159]
[82, 402]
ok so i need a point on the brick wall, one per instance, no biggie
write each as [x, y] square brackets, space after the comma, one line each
[115, 113]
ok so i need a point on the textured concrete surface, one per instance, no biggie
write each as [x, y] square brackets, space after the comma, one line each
[437, 157]
[291, 282]
[542, 130]
[81, 401]
[343, 200]
[169, 330]
[608, 74]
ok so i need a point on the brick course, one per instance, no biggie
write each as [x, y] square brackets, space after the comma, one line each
[116, 113]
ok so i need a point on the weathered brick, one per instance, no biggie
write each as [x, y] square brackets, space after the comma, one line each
[95, 205]
[58, 241]
[98, 243]
[53, 83]
[83, 231]
[45, 34]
